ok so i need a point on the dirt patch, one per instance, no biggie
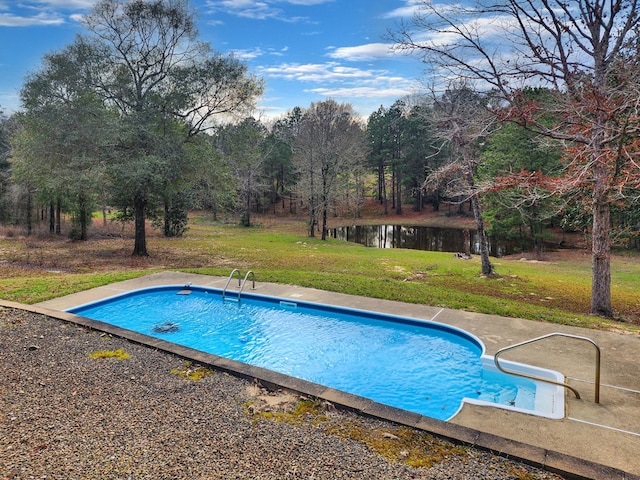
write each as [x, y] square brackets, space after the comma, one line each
[264, 400]
[559, 255]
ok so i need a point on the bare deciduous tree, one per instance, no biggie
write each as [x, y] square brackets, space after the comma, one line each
[328, 136]
[585, 50]
[463, 122]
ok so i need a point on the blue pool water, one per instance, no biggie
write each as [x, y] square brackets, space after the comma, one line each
[414, 365]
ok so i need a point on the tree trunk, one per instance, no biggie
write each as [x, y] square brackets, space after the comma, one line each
[601, 248]
[249, 201]
[325, 202]
[58, 216]
[487, 268]
[52, 217]
[140, 210]
[312, 204]
[380, 184]
[467, 242]
[312, 222]
[246, 216]
[29, 213]
[325, 229]
[274, 200]
[84, 216]
[399, 194]
[167, 219]
[385, 201]
[393, 186]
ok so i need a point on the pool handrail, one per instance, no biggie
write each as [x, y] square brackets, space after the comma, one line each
[563, 384]
[241, 283]
[253, 281]
[224, 290]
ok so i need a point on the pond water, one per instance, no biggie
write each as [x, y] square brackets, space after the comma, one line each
[414, 237]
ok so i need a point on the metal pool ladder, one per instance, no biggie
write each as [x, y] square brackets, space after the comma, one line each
[241, 283]
[562, 384]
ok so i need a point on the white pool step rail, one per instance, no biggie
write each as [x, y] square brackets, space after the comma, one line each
[241, 283]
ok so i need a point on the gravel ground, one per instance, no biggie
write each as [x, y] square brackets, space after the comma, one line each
[64, 415]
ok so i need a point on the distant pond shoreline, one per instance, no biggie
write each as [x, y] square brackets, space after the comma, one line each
[414, 237]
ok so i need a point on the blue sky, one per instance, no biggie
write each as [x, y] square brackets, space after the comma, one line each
[306, 50]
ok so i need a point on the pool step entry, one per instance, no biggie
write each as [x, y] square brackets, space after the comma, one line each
[241, 284]
[496, 359]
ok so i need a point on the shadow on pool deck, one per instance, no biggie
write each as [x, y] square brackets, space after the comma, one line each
[599, 441]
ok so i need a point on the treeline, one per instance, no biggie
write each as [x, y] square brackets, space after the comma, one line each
[140, 117]
[76, 157]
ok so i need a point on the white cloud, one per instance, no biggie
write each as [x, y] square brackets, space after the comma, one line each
[47, 4]
[65, 4]
[407, 11]
[10, 20]
[40, 12]
[259, 9]
[370, 51]
[336, 80]
[314, 72]
[308, 2]
[463, 19]
[422, 7]
[363, 92]
[248, 54]
[245, 8]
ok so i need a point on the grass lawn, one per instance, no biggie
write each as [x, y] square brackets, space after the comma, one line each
[555, 289]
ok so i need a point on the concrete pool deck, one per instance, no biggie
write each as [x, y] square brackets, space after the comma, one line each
[599, 441]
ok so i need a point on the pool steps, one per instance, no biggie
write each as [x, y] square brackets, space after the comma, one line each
[549, 392]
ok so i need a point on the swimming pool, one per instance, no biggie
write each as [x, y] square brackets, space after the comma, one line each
[416, 365]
